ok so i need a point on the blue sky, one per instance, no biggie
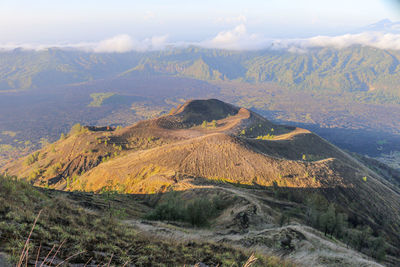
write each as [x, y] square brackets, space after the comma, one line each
[57, 21]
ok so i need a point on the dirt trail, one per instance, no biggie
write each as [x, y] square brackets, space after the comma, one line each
[291, 134]
[251, 199]
[313, 251]
[231, 122]
[178, 233]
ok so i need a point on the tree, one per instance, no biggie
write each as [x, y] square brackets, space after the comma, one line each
[341, 219]
[76, 129]
[109, 193]
[214, 123]
[363, 236]
[44, 142]
[284, 218]
[275, 189]
[328, 220]
[32, 158]
[83, 185]
[316, 205]
[378, 248]
[199, 211]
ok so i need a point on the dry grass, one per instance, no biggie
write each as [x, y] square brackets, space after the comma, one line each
[24, 257]
[252, 259]
[65, 233]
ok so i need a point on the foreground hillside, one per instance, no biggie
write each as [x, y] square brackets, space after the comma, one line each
[77, 229]
[272, 187]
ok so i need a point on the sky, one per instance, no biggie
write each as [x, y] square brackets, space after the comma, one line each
[152, 23]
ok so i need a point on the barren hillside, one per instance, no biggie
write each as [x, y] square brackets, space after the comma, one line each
[206, 145]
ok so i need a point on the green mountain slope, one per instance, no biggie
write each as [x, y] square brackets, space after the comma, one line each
[21, 69]
[354, 69]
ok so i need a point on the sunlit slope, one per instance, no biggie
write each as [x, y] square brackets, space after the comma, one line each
[204, 142]
[206, 139]
[202, 138]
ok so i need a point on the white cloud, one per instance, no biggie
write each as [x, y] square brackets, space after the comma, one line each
[125, 43]
[239, 39]
[236, 39]
[156, 42]
[372, 39]
[118, 44]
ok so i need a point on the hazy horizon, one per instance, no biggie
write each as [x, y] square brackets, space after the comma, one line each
[128, 25]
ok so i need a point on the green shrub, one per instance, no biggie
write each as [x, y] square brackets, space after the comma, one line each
[62, 137]
[76, 129]
[35, 174]
[197, 211]
[32, 158]
[266, 137]
[150, 139]
[171, 209]
[212, 124]
[53, 170]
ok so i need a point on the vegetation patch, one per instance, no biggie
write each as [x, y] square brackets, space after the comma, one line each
[9, 133]
[212, 124]
[266, 137]
[77, 129]
[99, 98]
[32, 158]
[197, 211]
[332, 222]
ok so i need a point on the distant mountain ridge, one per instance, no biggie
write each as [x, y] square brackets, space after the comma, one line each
[384, 26]
[372, 71]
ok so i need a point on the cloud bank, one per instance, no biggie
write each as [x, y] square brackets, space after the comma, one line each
[117, 44]
[124, 43]
[237, 38]
[372, 39]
